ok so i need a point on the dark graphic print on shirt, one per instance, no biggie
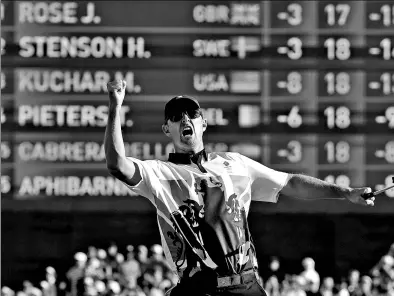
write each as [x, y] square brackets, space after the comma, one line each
[219, 225]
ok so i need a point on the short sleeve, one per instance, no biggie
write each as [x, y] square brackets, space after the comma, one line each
[265, 182]
[149, 183]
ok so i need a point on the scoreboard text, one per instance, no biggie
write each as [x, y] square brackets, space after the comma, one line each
[300, 86]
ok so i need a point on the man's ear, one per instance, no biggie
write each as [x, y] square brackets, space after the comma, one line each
[204, 125]
[165, 130]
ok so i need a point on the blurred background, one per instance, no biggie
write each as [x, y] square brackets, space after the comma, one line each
[300, 86]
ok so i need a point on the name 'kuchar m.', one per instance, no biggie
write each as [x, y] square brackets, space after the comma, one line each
[203, 199]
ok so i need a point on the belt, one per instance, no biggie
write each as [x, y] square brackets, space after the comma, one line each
[236, 279]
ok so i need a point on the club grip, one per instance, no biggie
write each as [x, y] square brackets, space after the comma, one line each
[367, 195]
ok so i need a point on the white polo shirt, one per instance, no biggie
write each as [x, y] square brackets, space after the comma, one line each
[214, 202]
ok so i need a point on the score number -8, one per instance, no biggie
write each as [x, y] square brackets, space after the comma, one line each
[335, 83]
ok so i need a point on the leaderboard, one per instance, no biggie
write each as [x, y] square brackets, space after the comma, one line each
[300, 86]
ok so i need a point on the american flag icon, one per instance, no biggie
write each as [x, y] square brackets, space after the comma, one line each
[245, 82]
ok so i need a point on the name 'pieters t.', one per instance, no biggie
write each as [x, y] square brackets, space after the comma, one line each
[203, 199]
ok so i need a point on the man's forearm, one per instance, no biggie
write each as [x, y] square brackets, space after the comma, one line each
[113, 140]
[310, 188]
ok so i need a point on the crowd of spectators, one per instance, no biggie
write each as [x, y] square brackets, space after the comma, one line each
[379, 281]
[98, 272]
[143, 272]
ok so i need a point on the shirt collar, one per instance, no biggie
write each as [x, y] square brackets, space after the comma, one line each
[187, 158]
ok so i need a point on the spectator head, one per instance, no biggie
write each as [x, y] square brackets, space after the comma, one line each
[130, 250]
[50, 270]
[100, 286]
[366, 283]
[88, 281]
[92, 252]
[62, 285]
[21, 293]
[157, 251]
[354, 276]
[50, 275]
[119, 258]
[44, 285]
[27, 285]
[388, 261]
[6, 291]
[274, 264]
[391, 250]
[101, 254]
[80, 259]
[308, 263]
[328, 283]
[377, 281]
[30, 290]
[343, 285]
[155, 292]
[142, 253]
[89, 286]
[94, 263]
[114, 286]
[112, 249]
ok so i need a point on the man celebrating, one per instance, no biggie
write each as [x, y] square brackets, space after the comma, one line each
[202, 199]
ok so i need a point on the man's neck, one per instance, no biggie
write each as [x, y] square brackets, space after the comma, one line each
[193, 150]
[188, 157]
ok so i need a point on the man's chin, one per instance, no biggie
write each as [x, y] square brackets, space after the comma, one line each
[188, 140]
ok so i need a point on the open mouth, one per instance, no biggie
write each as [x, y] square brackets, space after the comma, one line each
[187, 131]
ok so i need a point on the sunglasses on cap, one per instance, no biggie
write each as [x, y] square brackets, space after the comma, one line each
[177, 115]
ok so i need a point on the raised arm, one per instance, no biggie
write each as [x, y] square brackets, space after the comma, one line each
[310, 188]
[117, 163]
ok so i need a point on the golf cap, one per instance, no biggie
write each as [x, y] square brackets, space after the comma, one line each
[178, 104]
